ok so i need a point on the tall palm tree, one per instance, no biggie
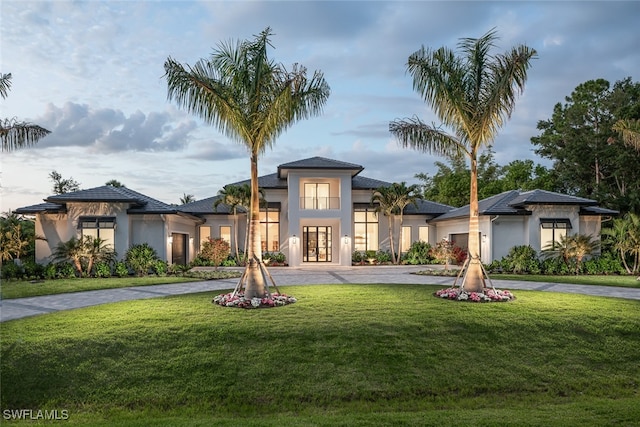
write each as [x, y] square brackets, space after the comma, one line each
[385, 200]
[252, 100]
[13, 133]
[474, 94]
[405, 196]
[234, 197]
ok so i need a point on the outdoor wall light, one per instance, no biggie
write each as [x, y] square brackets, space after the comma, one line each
[294, 240]
[345, 239]
[170, 240]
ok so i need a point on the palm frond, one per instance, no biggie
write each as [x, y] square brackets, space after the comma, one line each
[16, 134]
[414, 133]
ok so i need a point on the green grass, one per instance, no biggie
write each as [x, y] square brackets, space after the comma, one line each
[601, 280]
[22, 288]
[343, 355]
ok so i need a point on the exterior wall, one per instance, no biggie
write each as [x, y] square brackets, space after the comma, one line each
[339, 219]
[550, 211]
[504, 233]
[150, 229]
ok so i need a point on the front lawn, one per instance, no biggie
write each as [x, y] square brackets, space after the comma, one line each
[609, 280]
[23, 288]
[343, 355]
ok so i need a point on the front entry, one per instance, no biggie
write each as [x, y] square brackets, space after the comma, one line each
[179, 248]
[316, 244]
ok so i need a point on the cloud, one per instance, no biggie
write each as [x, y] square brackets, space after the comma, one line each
[105, 130]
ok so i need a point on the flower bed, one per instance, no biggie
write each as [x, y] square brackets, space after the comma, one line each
[239, 301]
[487, 295]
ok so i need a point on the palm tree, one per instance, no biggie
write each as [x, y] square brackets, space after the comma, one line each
[474, 94]
[71, 250]
[385, 200]
[233, 196]
[629, 131]
[405, 196]
[13, 133]
[571, 248]
[187, 198]
[95, 249]
[252, 100]
[618, 235]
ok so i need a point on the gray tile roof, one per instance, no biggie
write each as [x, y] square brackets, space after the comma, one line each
[513, 202]
[319, 163]
[426, 207]
[205, 206]
[140, 203]
[40, 208]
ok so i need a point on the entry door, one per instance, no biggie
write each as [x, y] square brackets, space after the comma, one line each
[316, 243]
[179, 249]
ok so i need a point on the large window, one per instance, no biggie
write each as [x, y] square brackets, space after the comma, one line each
[552, 229]
[365, 225]
[225, 233]
[423, 234]
[205, 233]
[316, 196]
[406, 239]
[270, 230]
[103, 227]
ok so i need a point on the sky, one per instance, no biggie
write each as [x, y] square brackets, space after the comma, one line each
[91, 72]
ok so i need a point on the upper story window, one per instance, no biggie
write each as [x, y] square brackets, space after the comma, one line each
[552, 229]
[317, 195]
[103, 227]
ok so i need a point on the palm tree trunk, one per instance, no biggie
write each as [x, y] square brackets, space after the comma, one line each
[255, 286]
[393, 253]
[235, 234]
[474, 276]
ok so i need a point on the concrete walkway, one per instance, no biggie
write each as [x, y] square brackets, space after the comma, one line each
[24, 307]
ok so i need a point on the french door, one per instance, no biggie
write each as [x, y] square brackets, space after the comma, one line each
[316, 244]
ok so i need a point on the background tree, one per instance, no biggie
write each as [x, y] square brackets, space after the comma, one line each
[17, 237]
[63, 185]
[13, 133]
[187, 198]
[252, 100]
[114, 183]
[578, 138]
[474, 94]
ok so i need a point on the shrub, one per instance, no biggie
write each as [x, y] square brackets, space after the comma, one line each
[121, 269]
[357, 256]
[419, 253]
[521, 259]
[66, 270]
[229, 262]
[11, 270]
[51, 271]
[102, 269]
[383, 256]
[32, 270]
[459, 255]
[141, 258]
[160, 267]
[216, 250]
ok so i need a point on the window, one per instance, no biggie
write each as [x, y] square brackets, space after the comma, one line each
[316, 196]
[205, 233]
[365, 228]
[270, 230]
[423, 234]
[406, 239]
[225, 233]
[552, 229]
[98, 226]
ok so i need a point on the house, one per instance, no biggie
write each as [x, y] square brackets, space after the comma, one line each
[318, 212]
[515, 218]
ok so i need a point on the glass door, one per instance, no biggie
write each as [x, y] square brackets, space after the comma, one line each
[316, 242]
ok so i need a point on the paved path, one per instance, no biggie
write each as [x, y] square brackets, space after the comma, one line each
[25, 307]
